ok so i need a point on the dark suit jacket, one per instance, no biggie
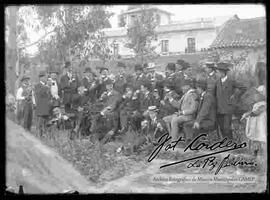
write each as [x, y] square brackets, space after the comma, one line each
[224, 92]
[211, 83]
[120, 84]
[206, 114]
[91, 93]
[67, 88]
[43, 100]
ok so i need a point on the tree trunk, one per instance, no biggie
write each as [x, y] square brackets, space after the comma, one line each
[12, 50]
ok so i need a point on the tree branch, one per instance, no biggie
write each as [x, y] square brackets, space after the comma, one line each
[26, 46]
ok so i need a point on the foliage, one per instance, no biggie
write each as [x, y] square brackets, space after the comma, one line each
[142, 34]
[76, 32]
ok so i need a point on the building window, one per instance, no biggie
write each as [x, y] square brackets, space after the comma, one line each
[191, 45]
[115, 49]
[164, 46]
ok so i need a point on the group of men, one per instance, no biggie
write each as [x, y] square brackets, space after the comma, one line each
[146, 102]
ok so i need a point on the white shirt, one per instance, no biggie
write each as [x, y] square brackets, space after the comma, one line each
[212, 73]
[20, 97]
[54, 89]
[224, 79]
[19, 94]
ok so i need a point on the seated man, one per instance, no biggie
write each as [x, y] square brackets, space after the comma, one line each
[187, 106]
[206, 114]
[108, 115]
[152, 129]
[127, 108]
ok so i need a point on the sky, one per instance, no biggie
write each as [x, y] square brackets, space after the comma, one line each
[187, 12]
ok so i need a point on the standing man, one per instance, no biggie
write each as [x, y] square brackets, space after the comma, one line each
[227, 92]
[43, 102]
[89, 84]
[121, 81]
[211, 77]
[104, 77]
[25, 100]
[69, 85]
[138, 78]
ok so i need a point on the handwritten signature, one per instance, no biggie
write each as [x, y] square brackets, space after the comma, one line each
[210, 160]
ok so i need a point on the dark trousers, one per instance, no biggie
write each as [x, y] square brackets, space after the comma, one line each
[27, 115]
[224, 122]
[67, 107]
[42, 122]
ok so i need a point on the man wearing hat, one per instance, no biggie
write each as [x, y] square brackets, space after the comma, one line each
[156, 78]
[89, 84]
[68, 86]
[104, 76]
[153, 127]
[173, 78]
[43, 102]
[206, 113]
[121, 78]
[211, 76]
[228, 91]
[139, 77]
[166, 108]
[187, 107]
[110, 99]
[25, 99]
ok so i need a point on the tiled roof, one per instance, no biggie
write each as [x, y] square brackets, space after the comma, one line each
[241, 33]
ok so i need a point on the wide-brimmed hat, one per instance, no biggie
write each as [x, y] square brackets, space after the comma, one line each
[171, 66]
[152, 108]
[223, 66]
[138, 67]
[41, 74]
[202, 83]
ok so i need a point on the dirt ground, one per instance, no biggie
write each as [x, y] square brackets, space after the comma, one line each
[92, 168]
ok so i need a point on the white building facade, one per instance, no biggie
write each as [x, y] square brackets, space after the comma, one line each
[174, 38]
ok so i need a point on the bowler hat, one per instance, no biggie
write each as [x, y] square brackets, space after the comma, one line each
[87, 69]
[171, 66]
[201, 83]
[102, 69]
[152, 108]
[138, 67]
[42, 73]
[223, 66]
[188, 81]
